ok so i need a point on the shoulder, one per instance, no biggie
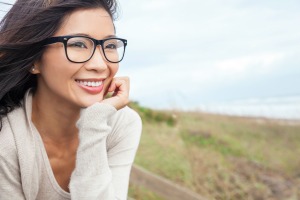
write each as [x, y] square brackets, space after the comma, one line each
[8, 150]
[13, 125]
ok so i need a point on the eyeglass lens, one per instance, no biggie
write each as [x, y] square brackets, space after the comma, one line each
[80, 49]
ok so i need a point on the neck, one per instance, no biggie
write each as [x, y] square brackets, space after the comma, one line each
[56, 121]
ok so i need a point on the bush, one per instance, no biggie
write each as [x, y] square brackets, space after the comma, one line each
[149, 115]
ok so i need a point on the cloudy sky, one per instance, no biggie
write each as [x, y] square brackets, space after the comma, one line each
[183, 54]
[186, 53]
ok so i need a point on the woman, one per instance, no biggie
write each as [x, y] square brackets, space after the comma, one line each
[60, 138]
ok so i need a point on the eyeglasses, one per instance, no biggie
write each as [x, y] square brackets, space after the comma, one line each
[80, 49]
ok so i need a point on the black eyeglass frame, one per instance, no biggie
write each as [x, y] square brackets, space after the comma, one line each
[64, 40]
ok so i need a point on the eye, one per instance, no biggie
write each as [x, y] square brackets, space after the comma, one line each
[111, 45]
[77, 44]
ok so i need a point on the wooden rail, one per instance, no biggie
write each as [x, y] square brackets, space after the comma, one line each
[161, 186]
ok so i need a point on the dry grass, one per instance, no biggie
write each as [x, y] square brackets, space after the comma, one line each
[222, 157]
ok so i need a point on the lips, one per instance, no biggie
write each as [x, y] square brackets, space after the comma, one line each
[92, 86]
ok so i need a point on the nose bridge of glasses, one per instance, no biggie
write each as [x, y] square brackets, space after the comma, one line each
[98, 43]
[99, 46]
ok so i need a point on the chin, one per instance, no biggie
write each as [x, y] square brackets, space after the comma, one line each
[90, 101]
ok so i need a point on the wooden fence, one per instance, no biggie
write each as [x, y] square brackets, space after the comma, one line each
[161, 186]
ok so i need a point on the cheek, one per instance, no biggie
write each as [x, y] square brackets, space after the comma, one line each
[55, 68]
[114, 69]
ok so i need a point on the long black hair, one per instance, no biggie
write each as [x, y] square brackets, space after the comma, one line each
[22, 32]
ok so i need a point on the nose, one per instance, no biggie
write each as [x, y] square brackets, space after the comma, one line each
[97, 62]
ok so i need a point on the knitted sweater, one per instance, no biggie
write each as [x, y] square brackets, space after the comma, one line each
[108, 141]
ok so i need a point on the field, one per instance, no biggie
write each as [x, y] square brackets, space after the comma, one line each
[220, 157]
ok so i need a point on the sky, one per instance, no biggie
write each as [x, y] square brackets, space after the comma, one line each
[186, 54]
[183, 54]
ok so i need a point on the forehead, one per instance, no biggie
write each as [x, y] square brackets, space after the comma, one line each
[94, 22]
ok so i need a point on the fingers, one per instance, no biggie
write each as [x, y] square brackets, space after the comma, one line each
[122, 82]
[120, 88]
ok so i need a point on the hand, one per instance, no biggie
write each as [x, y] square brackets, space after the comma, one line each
[120, 88]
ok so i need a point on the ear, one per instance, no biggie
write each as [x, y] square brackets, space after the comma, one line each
[35, 69]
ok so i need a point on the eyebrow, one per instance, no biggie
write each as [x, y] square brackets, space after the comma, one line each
[87, 35]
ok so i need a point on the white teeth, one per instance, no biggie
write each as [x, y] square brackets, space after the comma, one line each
[90, 83]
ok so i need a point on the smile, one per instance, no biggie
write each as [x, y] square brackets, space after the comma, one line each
[90, 83]
[91, 86]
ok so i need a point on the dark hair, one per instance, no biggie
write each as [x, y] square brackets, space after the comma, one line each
[22, 31]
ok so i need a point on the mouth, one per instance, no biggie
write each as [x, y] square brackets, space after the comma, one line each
[92, 86]
[89, 83]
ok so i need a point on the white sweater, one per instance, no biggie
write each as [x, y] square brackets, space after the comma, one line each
[108, 143]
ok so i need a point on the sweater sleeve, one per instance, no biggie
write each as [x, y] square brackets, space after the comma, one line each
[102, 173]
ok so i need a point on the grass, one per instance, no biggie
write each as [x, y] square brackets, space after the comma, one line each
[221, 157]
[167, 151]
[139, 192]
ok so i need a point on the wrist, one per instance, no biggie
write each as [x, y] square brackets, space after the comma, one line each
[95, 113]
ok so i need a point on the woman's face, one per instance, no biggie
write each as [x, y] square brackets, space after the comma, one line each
[65, 82]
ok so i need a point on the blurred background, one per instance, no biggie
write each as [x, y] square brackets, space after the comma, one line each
[217, 86]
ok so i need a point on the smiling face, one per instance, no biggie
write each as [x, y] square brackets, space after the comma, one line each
[78, 84]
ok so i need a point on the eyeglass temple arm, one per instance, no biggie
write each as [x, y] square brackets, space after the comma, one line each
[52, 40]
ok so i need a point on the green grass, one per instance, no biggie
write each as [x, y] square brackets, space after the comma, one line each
[228, 146]
[220, 157]
[140, 192]
[167, 151]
